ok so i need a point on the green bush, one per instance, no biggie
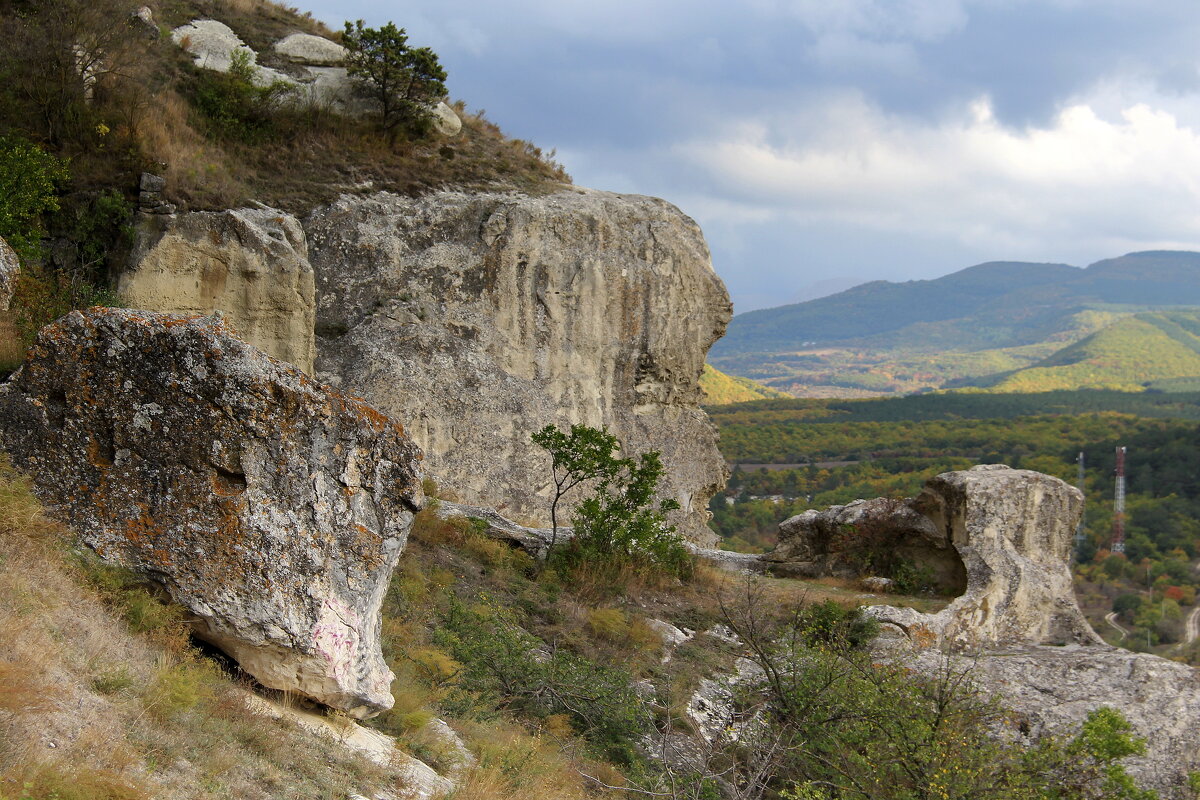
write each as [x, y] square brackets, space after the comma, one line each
[617, 524]
[29, 183]
[233, 105]
[505, 666]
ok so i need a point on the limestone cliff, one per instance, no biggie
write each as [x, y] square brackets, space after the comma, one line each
[249, 263]
[479, 318]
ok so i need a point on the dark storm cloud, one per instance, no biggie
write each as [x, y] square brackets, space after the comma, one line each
[875, 138]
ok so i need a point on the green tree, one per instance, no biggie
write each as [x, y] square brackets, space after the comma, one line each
[29, 181]
[618, 521]
[403, 81]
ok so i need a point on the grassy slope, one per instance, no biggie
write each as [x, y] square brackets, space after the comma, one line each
[102, 699]
[1126, 356]
[721, 389]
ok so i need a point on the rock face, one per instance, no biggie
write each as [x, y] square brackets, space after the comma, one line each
[9, 267]
[1052, 690]
[1013, 530]
[251, 264]
[271, 507]
[834, 541]
[487, 316]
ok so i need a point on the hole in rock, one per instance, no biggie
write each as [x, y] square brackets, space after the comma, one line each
[891, 547]
[56, 407]
[227, 483]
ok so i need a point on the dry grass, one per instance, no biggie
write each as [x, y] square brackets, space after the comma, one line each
[90, 709]
[12, 349]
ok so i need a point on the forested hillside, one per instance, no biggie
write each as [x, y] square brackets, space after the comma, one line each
[1154, 350]
[832, 452]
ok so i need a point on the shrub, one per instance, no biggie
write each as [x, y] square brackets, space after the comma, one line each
[234, 105]
[29, 183]
[617, 524]
[508, 667]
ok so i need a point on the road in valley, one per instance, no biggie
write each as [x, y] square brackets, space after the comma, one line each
[1193, 626]
[1111, 619]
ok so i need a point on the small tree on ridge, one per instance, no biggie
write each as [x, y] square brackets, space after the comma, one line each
[404, 81]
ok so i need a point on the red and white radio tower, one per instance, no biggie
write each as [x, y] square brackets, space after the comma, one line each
[1118, 540]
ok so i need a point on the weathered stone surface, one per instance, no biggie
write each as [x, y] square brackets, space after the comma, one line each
[271, 507]
[304, 48]
[10, 266]
[212, 45]
[534, 541]
[251, 264]
[487, 316]
[1013, 529]
[1052, 690]
[815, 543]
[445, 120]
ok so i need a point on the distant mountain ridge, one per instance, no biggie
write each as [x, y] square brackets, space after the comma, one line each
[996, 304]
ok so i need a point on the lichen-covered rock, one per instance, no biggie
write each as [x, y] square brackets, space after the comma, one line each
[1013, 529]
[251, 264]
[9, 267]
[271, 507]
[487, 316]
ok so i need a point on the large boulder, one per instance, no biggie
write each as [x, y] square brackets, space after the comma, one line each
[10, 265]
[485, 317]
[305, 48]
[251, 264]
[999, 537]
[270, 506]
[213, 45]
[1051, 690]
[1014, 530]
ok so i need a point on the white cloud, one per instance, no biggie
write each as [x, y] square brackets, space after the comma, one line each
[1133, 179]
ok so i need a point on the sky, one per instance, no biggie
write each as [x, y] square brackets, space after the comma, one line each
[822, 143]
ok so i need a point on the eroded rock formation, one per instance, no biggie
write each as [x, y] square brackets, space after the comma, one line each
[487, 316]
[271, 507]
[1013, 529]
[249, 263]
[9, 267]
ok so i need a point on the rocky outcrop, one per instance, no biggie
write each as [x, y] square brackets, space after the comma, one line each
[10, 266]
[308, 68]
[842, 541]
[304, 48]
[1053, 689]
[213, 45]
[1013, 529]
[487, 316]
[251, 264]
[271, 507]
